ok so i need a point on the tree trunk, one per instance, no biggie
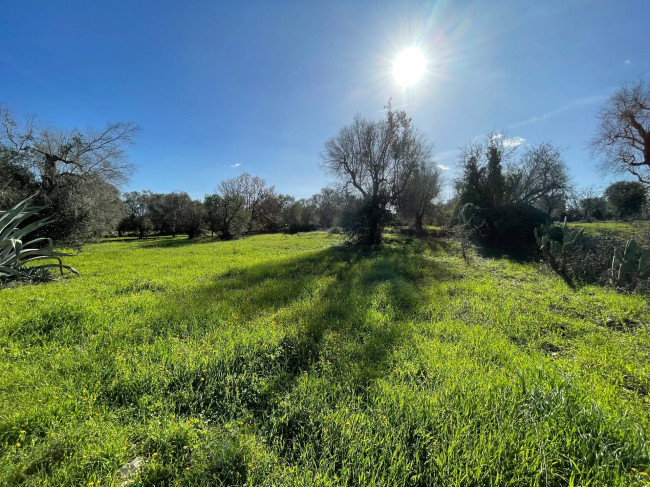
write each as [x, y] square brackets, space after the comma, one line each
[375, 225]
[49, 174]
[419, 228]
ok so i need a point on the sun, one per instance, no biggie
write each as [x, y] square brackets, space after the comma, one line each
[409, 66]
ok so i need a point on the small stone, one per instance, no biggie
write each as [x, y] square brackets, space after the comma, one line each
[128, 473]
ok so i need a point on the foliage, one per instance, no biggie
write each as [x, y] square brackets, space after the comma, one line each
[482, 163]
[495, 183]
[593, 208]
[20, 260]
[291, 360]
[363, 220]
[590, 259]
[226, 214]
[555, 251]
[255, 193]
[540, 178]
[329, 207]
[194, 219]
[493, 175]
[628, 198]
[17, 181]
[76, 172]
[508, 228]
[137, 214]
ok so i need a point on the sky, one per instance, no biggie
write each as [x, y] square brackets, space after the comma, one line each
[219, 88]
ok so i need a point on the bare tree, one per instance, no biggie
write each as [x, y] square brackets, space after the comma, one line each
[622, 140]
[254, 190]
[540, 177]
[53, 153]
[586, 203]
[377, 160]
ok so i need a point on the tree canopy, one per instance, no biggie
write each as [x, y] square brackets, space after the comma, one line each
[622, 139]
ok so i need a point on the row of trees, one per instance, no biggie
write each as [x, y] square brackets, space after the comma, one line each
[246, 204]
[384, 169]
[495, 174]
[240, 205]
[384, 172]
[623, 199]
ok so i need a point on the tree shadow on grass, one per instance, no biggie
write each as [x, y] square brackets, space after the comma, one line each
[349, 307]
[437, 243]
[174, 242]
[162, 241]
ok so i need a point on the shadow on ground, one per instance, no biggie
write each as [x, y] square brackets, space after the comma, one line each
[343, 309]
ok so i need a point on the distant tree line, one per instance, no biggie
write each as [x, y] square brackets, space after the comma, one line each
[384, 174]
[244, 204]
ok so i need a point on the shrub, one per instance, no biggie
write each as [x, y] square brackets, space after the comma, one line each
[508, 228]
[361, 219]
[593, 260]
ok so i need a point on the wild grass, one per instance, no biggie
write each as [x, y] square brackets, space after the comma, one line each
[294, 360]
[639, 229]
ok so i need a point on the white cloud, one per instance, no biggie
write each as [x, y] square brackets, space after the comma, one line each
[236, 164]
[444, 168]
[627, 61]
[513, 142]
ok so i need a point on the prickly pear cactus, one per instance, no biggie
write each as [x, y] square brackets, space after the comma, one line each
[555, 252]
[633, 262]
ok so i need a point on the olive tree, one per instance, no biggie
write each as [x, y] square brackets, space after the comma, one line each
[376, 160]
[137, 217]
[622, 139]
[68, 164]
[417, 201]
[627, 198]
[83, 154]
[226, 209]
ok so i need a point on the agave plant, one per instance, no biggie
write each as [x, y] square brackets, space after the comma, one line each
[20, 260]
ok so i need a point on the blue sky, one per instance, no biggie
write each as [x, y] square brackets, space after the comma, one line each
[219, 88]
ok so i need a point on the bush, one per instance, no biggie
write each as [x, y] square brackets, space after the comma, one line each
[507, 228]
[363, 221]
[301, 227]
[590, 260]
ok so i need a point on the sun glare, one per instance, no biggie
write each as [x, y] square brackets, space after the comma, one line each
[409, 66]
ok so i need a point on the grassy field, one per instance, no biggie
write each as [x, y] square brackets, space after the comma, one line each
[639, 230]
[295, 360]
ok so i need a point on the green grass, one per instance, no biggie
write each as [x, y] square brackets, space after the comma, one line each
[638, 230]
[293, 360]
